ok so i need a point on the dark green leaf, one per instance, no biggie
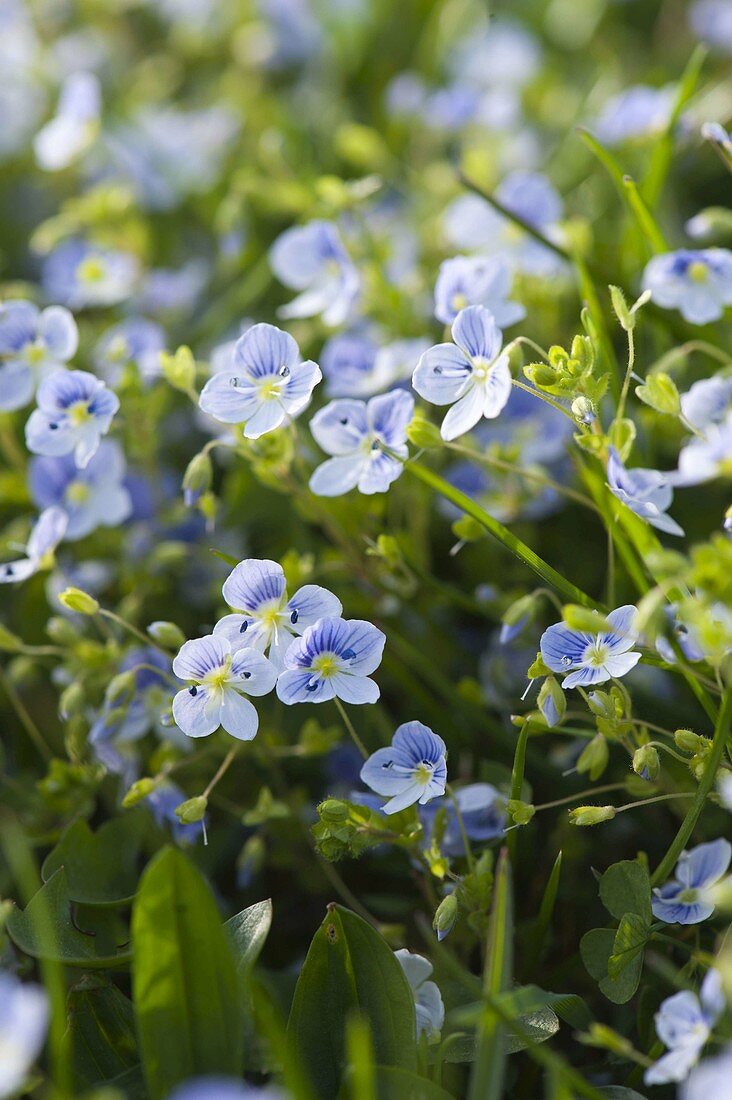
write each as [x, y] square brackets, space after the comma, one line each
[100, 1039]
[626, 888]
[247, 932]
[101, 867]
[596, 947]
[400, 1084]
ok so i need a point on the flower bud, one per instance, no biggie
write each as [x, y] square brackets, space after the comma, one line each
[139, 791]
[423, 433]
[79, 601]
[445, 916]
[620, 307]
[583, 410]
[121, 687]
[179, 369]
[688, 741]
[333, 810]
[72, 701]
[166, 634]
[593, 758]
[647, 763]
[194, 809]
[62, 631]
[552, 701]
[591, 815]
[583, 618]
[197, 479]
[520, 812]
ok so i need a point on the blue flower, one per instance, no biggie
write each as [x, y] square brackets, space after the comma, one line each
[218, 680]
[646, 492]
[474, 281]
[713, 1078]
[482, 808]
[348, 360]
[33, 343]
[224, 1088]
[134, 340]
[74, 126]
[697, 283]
[23, 1023]
[266, 619]
[354, 432]
[74, 411]
[472, 374]
[428, 1004]
[93, 497]
[45, 536]
[269, 383]
[413, 769]
[80, 274]
[637, 112]
[711, 20]
[162, 803]
[312, 259]
[686, 899]
[706, 456]
[592, 658]
[334, 658]
[707, 401]
[683, 1024]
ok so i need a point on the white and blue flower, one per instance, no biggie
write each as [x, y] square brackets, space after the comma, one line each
[269, 382]
[706, 456]
[74, 411]
[135, 340]
[686, 898]
[696, 282]
[33, 344]
[592, 658]
[648, 493]
[74, 126]
[355, 433]
[47, 533]
[413, 768]
[428, 1004]
[80, 274]
[265, 618]
[636, 113]
[218, 681]
[334, 658]
[476, 281]
[483, 812]
[93, 497]
[472, 375]
[313, 260]
[707, 402]
[684, 1024]
[24, 1017]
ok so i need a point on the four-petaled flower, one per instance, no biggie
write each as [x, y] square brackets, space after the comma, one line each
[648, 493]
[430, 1010]
[265, 618]
[74, 411]
[93, 497]
[476, 281]
[218, 681]
[471, 375]
[269, 382]
[686, 898]
[47, 533]
[413, 769]
[683, 1024]
[355, 432]
[592, 658]
[312, 259]
[334, 658]
[697, 283]
[33, 343]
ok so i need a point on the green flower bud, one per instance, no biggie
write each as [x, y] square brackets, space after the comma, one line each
[423, 433]
[593, 758]
[688, 741]
[583, 410]
[552, 702]
[194, 809]
[197, 479]
[620, 306]
[538, 669]
[179, 369]
[520, 609]
[72, 700]
[139, 791]
[166, 634]
[445, 916]
[62, 631]
[121, 687]
[333, 811]
[591, 815]
[79, 601]
[520, 812]
[646, 762]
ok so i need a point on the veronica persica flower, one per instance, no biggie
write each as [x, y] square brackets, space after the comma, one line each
[413, 769]
[683, 1024]
[219, 680]
[355, 433]
[713, 1078]
[472, 374]
[637, 112]
[134, 340]
[476, 281]
[707, 401]
[224, 1088]
[74, 126]
[81, 274]
[697, 283]
[45, 536]
[686, 899]
[334, 658]
[33, 343]
[74, 411]
[23, 1023]
[706, 456]
[312, 259]
[428, 1004]
[96, 496]
[268, 383]
[646, 492]
[483, 812]
[265, 618]
[592, 658]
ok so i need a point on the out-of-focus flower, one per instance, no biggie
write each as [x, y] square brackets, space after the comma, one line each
[412, 769]
[483, 812]
[23, 1024]
[313, 260]
[74, 411]
[134, 340]
[503, 54]
[334, 658]
[648, 493]
[93, 497]
[33, 344]
[80, 274]
[474, 281]
[427, 998]
[697, 283]
[355, 433]
[47, 533]
[713, 1078]
[706, 456]
[685, 899]
[75, 125]
[712, 21]
[162, 802]
[592, 658]
[637, 112]
[683, 1024]
[707, 401]
[224, 1088]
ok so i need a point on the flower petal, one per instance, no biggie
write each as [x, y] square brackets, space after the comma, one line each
[200, 656]
[464, 414]
[701, 866]
[310, 603]
[294, 686]
[337, 475]
[475, 331]
[441, 374]
[197, 715]
[238, 716]
[254, 583]
[341, 427]
[563, 648]
[354, 689]
[252, 672]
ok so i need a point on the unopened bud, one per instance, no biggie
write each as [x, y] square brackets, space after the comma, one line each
[583, 410]
[179, 369]
[71, 701]
[333, 811]
[591, 815]
[192, 811]
[79, 601]
[594, 757]
[688, 741]
[139, 791]
[121, 687]
[423, 433]
[583, 618]
[166, 634]
[445, 916]
[647, 763]
[197, 479]
[520, 812]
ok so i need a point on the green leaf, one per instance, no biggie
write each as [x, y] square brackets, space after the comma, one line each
[48, 929]
[626, 888]
[596, 948]
[630, 941]
[350, 968]
[619, 1092]
[100, 1040]
[247, 932]
[184, 978]
[660, 392]
[393, 1083]
[101, 867]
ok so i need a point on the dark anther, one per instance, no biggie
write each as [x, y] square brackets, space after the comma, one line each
[294, 617]
[348, 654]
[53, 427]
[193, 691]
[243, 627]
[344, 421]
[246, 675]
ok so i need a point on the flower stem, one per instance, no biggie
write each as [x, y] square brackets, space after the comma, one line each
[225, 765]
[349, 726]
[461, 826]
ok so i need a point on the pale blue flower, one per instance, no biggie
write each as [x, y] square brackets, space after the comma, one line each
[46, 534]
[265, 618]
[648, 493]
[706, 456]
[592, 658]
[224, 1088]
[711, 20]
[355, 433]
[172, 290]
[684, 1024]
[686, 898]
[347, 360]
[334, 658]
[427, 998]
[313, 260]
[24, 1014]
[219, 679]
[502, 53]
[74, 411]
[33, 344]
[707, 401]
[482, 808]
[80, 274]
[637, 112]
[696, 282]
[74, 126]
[413, 769]
[712, 1080]
[474, 281]
[472, 374]
[93, 497]
[134, 340]
[162, 803]
[270, 382]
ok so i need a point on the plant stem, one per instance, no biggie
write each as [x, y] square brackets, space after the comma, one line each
[27, 722]
[461, 826]
[349, 726]
[227, 761]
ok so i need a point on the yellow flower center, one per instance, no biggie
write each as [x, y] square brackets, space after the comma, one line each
[270, 389]
[78, 413]
[423, 773]
[35, 354]
[459, 301]
[326, 665]
[698, 271]
[597, 654]
[218, 678]
[77, 492]
[90, 270]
